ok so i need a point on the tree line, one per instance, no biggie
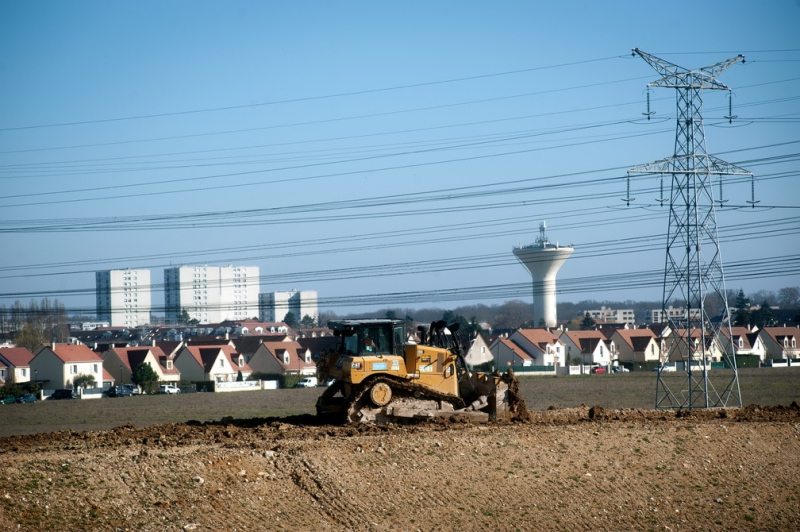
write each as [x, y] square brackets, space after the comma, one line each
[35, 324]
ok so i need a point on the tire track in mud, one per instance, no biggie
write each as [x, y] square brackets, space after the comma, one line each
[330, 500]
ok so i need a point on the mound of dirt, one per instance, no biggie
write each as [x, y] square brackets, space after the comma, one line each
[583, 467]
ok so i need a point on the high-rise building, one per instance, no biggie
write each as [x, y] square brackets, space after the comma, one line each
[123, 297]
[543, 260]
[211, 294]
[274, 306]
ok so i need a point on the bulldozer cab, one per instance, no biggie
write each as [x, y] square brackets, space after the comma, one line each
[369, 337]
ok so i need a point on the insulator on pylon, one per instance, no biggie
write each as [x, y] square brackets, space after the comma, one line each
[753, 200]
[648, 114]
[628, 199]
[661, 199]
[730, 116]
[720, 200]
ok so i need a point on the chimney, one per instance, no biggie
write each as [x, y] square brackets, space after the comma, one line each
[54, 346]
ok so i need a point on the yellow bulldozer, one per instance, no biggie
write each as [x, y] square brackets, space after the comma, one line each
[378, 374]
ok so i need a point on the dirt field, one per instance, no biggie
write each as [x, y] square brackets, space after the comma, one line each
[569, 468]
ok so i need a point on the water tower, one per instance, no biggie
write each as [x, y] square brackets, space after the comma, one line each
[543, 260]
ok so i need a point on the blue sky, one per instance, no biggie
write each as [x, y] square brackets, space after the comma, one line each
[269, 111]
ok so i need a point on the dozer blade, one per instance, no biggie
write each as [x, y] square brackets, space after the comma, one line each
[496, 395]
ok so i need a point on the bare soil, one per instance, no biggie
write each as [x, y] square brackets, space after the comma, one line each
[576, 468]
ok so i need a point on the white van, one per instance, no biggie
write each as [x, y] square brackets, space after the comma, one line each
[306, 382]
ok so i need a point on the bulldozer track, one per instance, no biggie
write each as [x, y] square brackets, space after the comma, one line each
[409, 390]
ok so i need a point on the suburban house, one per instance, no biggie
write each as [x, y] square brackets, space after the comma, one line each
[17, 362]
[542, 345]
[589, 346]
[506, 353]
[636, 345]
[781, 343]
[121, 362]
[58, 365]
[283, 358]
[248, 345]
[218, 363]
[479, 352]
[316, 345]
[745, 341]
[674, 346]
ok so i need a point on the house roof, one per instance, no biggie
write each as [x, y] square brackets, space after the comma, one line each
[779, 333]
[247, 345]
[251, 324]
[516, 349]
[296, 363]
[168, 347]
[586, 340]
[206, 355]
[319, 344]
[18, 357]
[636, 339]
[742, 333]
[74, 353]
[588, 345]
[539, 337]
[131, 357]
[107, 376]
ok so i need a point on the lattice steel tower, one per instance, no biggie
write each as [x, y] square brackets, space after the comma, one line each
[693, 275]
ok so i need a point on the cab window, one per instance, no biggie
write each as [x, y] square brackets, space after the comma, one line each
[374, 341]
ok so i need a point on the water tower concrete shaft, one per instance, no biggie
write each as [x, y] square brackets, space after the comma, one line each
[543, 260]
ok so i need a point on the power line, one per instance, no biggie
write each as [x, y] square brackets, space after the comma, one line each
[350, 117]
[313, 98]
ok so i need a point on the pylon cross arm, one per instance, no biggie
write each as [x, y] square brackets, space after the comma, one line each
[718, 68]
[674, 76]
[687, 164]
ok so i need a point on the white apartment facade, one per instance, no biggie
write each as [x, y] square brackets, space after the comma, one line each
[123, 297]
[671, 313]
[274, 306]
[610, 315]
[211, 294]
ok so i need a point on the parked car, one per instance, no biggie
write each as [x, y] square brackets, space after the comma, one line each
[26, 398]
[8, 400]
[599, 370]
[119, 391]
[63, 394]
[307, 382]
[133, 388]
[169, 389]
[619, 369]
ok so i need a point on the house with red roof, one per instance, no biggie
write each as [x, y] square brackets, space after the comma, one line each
[218, 363]
[636, 345]
[121, 363]
[542, 345]
[283, 358]
[58, 365]
[589, 346]
[674, 346]
[507, 353]
[17, 361]
[781, 343]
[745, 341]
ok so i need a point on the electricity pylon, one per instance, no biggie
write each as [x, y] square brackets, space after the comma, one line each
[694, 281]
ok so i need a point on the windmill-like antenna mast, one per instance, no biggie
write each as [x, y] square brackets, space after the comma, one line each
[693, 275]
